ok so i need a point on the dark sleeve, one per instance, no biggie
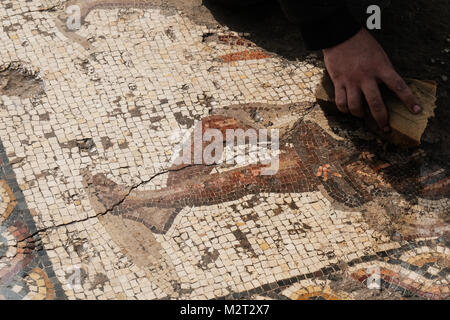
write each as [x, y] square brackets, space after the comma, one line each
[324, 23]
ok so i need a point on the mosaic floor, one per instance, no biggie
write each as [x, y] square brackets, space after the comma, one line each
[93, 206]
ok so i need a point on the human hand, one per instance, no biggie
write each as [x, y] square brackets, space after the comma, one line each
[356, 66]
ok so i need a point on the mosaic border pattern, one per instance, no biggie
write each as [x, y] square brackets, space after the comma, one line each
[25, 269]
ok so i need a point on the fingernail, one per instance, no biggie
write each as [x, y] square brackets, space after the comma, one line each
[387, 129]
[417, 109]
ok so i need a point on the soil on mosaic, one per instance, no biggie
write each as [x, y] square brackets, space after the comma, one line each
[17, 81]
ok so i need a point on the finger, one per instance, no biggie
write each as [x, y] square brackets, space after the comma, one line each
[376, 105]
[401, 89]
[341, 99]
[354, 99]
